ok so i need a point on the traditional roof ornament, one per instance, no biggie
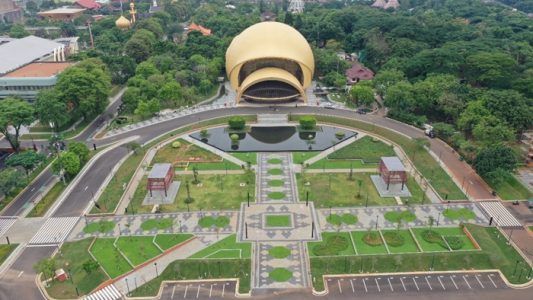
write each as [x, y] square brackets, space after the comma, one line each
[122, 23]
[379, 3]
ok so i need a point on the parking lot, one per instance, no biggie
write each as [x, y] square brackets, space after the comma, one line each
[199, 290]
[434, 283]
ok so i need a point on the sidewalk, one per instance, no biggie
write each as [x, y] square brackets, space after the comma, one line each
[330, 150]
[212, 149]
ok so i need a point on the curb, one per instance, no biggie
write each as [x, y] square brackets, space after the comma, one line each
[11, 258]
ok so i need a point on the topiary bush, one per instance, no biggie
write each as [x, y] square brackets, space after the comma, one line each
[434, 237]
[340, 135]
[454, 242]
[176, 145]
[237, 123]
[234, 137]
[307, 122]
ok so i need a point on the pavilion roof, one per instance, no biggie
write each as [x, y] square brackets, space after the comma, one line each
[393, 163]
[159, 171]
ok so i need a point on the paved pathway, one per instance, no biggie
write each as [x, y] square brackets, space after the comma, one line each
[279, 168]
[223, 154]
[330, 150]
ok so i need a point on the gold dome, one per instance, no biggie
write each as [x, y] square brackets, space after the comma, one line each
[122, 23]
[273, 52]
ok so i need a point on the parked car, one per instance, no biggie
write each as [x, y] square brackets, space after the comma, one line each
[328, 106]
[530, 203]
[361, 111]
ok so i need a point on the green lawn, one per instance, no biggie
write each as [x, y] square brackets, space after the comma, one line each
[219, 222]
[408, 245]
[464, 214]
[137, 249]
[276, 182]
[185, 153]
[217, 192]
[300, 157]
[344, 192]
[510, 188]
[109, 257]
[167, 241]
[426, 245]
[42, 206]
[424, 162]
[246, 156]
[326, 163]
[364, 248]
[458, 233]
[74, 255]
[405, 215]
[279, 252]
[366, 148]
[274, 161]
[100, 226]
[159, 224]
[244, 250]
[278, 220]
[337, 219]
[5, 251]
[280, 275]
[275, 171]
[332, 244]
[276, 195]
[192, 269]
[222, 165]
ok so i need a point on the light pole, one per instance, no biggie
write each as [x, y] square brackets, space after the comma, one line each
[438, 218]
[119, 230]
[377, 217]
[156, 272]
[127, 286]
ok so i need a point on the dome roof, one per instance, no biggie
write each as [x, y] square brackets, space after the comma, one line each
[122, 22]
[269, 40]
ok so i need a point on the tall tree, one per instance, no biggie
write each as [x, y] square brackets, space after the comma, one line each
[14, 113]
[362, 95]
[495, 157]
[10, 178]
[81, 150]
[27, 159]
[50, 109]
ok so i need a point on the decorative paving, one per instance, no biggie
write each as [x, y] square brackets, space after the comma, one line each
[264, 177]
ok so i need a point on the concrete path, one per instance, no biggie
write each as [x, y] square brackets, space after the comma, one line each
[270, 172]
[212, 149]
[330, 150]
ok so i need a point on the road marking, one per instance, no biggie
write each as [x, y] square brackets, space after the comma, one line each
[416, 284]
[198, 292]
[223, 288]
[390, 284]
[377, 284]
[173, 290]
[438, 277]
[479, 282]
[86, 187]
[351, 283]
[492, 280]
[401, 280]
[32, 189]
[339, 284]
[185, 294]
[467, 282]
[454, 282]
[430, 288]
[20, 274]
[210, 290]
[364, 283]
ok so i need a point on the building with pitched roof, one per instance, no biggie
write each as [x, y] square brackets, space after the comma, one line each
[10, 12]
[88, 4]
[200, 28]
[358, 72]
[62, 14]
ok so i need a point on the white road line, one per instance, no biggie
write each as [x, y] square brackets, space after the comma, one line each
[339, 284]
[479, 282]
[210, 291]
[390, 284]
[86, 187]
[377, 284]
[456, 287]
[198, 292]
[20, 274]
[467, 282]
[401, 280]
[430, 288]
[223, 288]
[185, 294]
[364, 283]
[32, 189]
[438, 277]
[489, 276]
[416, 284]
[173, 290]
[351, 283]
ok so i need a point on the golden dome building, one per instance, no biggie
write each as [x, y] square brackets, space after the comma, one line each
[270, 62]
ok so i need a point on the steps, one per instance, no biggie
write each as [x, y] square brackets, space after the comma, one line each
[272, 120]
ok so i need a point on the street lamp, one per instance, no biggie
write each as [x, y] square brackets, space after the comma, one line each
[156, 272]
[127, 286]
[119, 230]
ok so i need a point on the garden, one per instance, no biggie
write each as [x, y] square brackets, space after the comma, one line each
[228, 247]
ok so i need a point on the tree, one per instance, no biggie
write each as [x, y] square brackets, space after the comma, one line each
[386, 78]
[511, 107]
[14, 113]
[362, 95]
[491, 130]
[68, 162]
[90, 266]
[47, 266]
[444, 130]
[131, 98]
[237, 123]
[10, 178]
[81, 151]
[171, 93]
[27, 159]
[17, 31]
[50, 109]
[133, 146]
[307, 122]
[334, 79]
[472, 115]
[493, 158]
[495, 69]
[399, 95]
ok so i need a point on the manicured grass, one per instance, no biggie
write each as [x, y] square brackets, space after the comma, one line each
[75, 254]
[5, 251]
[185, 153]
[190, 269]
[158, 224]
[279, 252]
[278, 220]
[276, 182]
[332, 244]
[42, 206]
[366, 148]
[137, 249]
[100, 226]
[337, 190]
[228, 243]
[510, 188]
[280, 275]
[364, 248]
[167, 241]
[423, 161]
[407, 246]
[426, 245]
[208, 221]
[464, 214]
[217, 192]
[250, 157]
[336, 219]
[456, 232]
[326, 163]
[406, 216]
[300, 157]
[274, 161]
[275, 171]
[276, 195]
[109, 257]
[207, 166]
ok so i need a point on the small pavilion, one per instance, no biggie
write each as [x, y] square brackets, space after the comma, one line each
[160, 178]
[393, 171]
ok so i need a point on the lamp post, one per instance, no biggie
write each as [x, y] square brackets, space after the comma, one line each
[377, 217]
[119, 230]
[156, 271]
[127, 286]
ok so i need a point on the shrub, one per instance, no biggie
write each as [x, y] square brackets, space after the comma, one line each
[236, 123]
[394, 239]
[176, 145]
[372, 238]
[340, 135]
[434, 237]
[454, 242]
[307, 122]
[234, 137]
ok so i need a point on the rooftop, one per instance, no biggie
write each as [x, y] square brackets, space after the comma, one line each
[62, 11]
[44, 69]
[159, 171]
[358, 71]
[393, 163]
[200, 28]
[24, 51]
